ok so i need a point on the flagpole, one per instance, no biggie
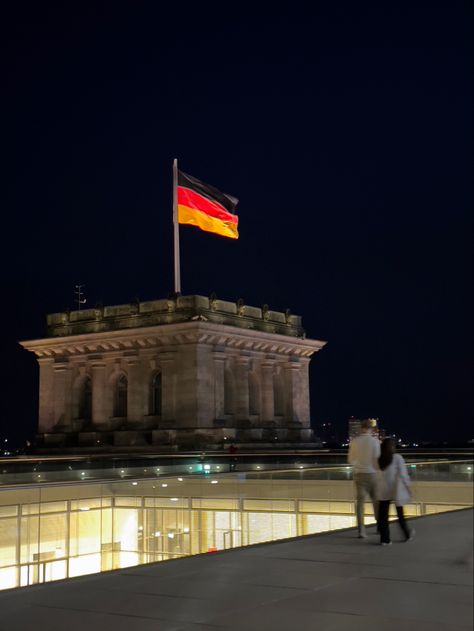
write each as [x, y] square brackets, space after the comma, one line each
[177, 271]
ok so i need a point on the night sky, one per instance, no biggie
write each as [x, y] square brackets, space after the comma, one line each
[345, 130]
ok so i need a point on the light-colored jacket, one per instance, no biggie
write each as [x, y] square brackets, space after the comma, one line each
[393, 483]
[364, 451]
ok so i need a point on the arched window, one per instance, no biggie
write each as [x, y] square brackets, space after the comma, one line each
[156, 395]
[229, 392]
[121, 391]
[278, 395]
[254, 394]
[85, 400]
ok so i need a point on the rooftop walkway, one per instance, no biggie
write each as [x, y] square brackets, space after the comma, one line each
[325, 582]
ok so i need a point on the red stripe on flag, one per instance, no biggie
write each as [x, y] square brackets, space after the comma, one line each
[187, 197]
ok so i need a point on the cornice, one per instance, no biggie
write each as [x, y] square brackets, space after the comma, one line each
[169, 335]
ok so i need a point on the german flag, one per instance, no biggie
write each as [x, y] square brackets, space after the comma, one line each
[202, 205]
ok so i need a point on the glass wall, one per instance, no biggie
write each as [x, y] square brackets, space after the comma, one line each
[51, 532]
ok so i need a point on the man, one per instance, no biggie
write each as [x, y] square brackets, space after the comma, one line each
[363, 454]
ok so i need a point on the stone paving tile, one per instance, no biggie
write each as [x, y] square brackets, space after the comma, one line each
[210, 588]
[368, 597]
[263, 618]
[179, 608]
[56, 619]
[330, 581]
[451, 573]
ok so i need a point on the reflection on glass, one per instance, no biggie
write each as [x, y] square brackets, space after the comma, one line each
[56, 532]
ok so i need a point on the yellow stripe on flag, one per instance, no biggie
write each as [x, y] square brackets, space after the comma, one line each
[204, 221]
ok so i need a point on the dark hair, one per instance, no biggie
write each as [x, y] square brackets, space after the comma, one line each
[387, 450]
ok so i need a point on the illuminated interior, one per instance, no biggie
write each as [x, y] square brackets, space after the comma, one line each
[60, 531]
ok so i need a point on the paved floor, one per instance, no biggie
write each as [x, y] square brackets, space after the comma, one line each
[324, 582]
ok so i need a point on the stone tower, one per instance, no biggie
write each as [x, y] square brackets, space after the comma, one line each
[185, 373]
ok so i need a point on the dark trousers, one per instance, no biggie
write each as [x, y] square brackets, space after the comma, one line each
[384, 529]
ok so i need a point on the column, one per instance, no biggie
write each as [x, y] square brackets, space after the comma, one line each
[68, 382]
[242, 403]
[59, 396]
[292, 398]
[46, 395]
[136, 395]
[100, 396]
[167, 365]
[304, 413]
[219, 368]
[268, 410]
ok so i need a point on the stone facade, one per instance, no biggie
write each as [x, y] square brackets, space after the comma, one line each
[185, 373]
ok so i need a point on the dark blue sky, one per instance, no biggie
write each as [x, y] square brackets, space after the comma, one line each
[345, 129]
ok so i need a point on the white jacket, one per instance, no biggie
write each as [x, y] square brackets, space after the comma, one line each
[364, 451]
[393, 483]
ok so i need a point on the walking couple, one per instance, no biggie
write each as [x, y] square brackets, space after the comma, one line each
[381, 474]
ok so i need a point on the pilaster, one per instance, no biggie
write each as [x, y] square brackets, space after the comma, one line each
[46, 395]
[100, 398]
[268, 410]
[137, 391]
[168, 385]
[219, 368]
[59, 396]
[242, 407]
[292, 391]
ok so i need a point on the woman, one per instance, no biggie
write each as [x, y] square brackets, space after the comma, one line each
[393, 486]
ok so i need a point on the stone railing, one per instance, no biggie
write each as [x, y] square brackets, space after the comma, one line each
[174, 310]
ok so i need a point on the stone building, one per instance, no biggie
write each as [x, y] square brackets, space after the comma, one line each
[355, 426]
[185, 373]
